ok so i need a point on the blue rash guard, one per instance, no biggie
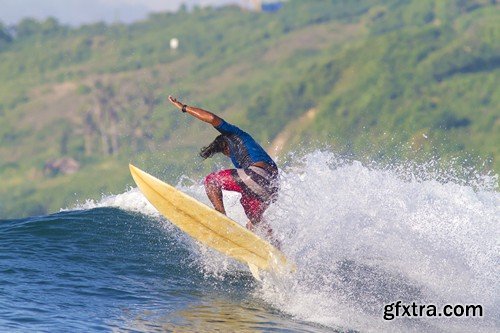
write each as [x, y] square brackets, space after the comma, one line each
[244, 151]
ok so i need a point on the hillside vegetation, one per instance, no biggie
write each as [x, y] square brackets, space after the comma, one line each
[385, 80]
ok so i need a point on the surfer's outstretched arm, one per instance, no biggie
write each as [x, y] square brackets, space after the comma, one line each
[201, 114]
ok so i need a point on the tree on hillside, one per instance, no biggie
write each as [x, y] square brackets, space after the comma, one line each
[102, 119]
[50, 25]
[113, 115]
[5, 36]
[29, 27]
[147, 100]
[89, 130]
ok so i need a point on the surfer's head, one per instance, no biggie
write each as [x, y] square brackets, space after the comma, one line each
[219, 145]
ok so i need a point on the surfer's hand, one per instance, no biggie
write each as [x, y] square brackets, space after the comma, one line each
[175, 102]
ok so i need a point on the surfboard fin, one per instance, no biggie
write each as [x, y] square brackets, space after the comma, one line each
[255, 271]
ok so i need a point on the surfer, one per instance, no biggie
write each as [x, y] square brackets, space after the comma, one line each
[255, 175]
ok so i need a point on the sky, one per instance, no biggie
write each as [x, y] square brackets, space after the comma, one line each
[77, 12]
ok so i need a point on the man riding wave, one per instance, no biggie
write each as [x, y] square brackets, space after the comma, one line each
[255, 175]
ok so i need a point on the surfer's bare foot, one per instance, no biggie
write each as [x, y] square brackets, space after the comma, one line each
[264, 227]
[250, 226]
[272, 239]
[276, 243]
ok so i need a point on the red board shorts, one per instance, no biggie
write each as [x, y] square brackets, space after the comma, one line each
[258, 187]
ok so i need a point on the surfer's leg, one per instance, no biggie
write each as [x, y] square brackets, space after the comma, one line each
[214, 193]
[215, 183]
[254, 208]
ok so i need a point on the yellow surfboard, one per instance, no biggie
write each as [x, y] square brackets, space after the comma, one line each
[210, 227]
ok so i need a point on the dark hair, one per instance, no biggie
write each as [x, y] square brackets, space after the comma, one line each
[217, 146]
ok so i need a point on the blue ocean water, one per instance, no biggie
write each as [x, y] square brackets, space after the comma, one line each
[361, 237]
[106, 269]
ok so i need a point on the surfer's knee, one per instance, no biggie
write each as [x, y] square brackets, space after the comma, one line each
[222, 180]
[211, 180]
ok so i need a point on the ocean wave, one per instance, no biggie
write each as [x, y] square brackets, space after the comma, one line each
[365, 236]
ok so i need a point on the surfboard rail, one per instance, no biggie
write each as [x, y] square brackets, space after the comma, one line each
[209, 226]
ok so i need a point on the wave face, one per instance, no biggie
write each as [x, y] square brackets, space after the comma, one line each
[364, 237]
[361, 237]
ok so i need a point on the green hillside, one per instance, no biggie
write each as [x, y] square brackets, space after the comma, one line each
[383, 80]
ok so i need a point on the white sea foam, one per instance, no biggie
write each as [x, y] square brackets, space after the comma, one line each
[364, 237]
[131, 200]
